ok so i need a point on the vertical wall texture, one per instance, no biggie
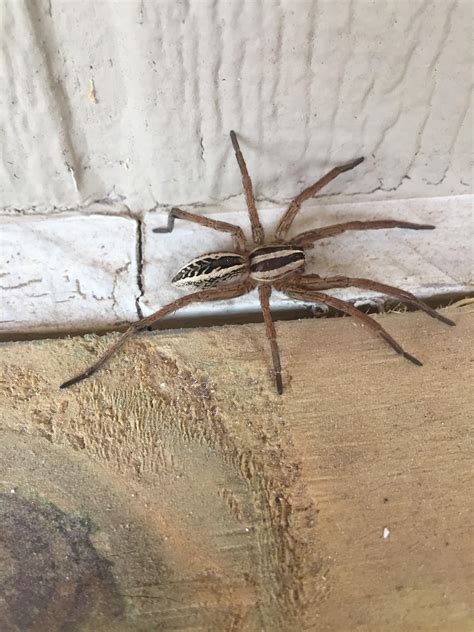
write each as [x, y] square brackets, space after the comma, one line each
[135, 99]
[123, 108]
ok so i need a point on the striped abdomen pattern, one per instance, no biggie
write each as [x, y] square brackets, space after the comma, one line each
[211, 269]
[268, 263]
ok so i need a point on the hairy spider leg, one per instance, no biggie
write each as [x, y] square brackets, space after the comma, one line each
[308, 238]
[287, 219]
[257, 228]
[215, 294]
[305, 294]
[215, 224]
[264, 292]
[315, 282]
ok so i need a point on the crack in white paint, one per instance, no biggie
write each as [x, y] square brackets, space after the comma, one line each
[20, 285]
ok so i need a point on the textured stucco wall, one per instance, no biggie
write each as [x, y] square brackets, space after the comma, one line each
[122, 108]
[307, 83]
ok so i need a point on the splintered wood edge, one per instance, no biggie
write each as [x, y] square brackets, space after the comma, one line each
[211, 388]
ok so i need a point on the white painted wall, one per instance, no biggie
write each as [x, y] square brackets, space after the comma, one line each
[122, 108]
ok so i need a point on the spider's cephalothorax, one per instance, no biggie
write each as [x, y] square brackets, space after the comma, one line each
[275, 261]
[278, 264]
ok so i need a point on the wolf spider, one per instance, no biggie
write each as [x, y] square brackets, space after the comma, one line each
[279, 264]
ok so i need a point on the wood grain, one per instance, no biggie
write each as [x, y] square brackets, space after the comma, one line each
[205, 501]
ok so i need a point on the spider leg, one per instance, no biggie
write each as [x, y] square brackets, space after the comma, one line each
[289, 216]
[309, 237]
[214, 294]
[264, 292]
[257, 228]
[215, 224]
[317, 283]
[303, 294]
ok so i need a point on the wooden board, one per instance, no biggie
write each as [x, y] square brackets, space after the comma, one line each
[176, 490]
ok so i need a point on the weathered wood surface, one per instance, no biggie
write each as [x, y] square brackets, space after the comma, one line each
[176, 490]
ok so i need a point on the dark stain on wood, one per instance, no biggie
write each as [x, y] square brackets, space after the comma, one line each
[52, 577]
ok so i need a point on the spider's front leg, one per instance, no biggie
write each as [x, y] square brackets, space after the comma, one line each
[257, 228]
[264, 292]
[302, 293]
[315, 282]
[288, 218]
[307, 239]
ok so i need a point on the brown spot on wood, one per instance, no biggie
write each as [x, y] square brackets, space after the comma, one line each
[51, 577]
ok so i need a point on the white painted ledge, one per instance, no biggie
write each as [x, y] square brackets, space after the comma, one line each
[427, 263]
[67, 273]
[111, 108]
[70, 273]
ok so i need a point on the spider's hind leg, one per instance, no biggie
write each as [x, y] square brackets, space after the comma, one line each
[214, 224]
[214, 294]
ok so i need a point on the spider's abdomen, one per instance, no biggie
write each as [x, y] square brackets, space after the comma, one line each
[269, 263]
[211, 269]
